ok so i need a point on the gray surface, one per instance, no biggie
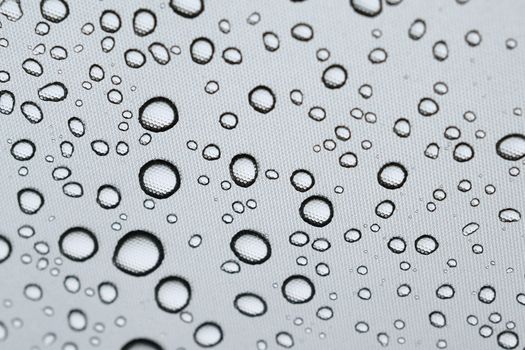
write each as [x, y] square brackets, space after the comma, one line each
[487, 79]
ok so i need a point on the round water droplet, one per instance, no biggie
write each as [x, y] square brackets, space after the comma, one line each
[144, 22]
[302, 32]
[53, 92]
[141, 344]
[54, 10]
[23, 150]
[417, 29]
[78, 244]
[440, 50]
[463, 152]
[262, 99]
[108, 197]
[30, 200]
[250, 304]
[158, 114]
[334, 77]
[317, 211]
[232, 55]
[173, 294]
[7, 102]
[302, 180]
[511, 147]
[138, 253]
[427, 107]
[202, 50]
[159, 179]
[187, 8]
[487, 294]
[298, 289]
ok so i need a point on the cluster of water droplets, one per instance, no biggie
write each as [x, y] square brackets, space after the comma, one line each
[126, 188]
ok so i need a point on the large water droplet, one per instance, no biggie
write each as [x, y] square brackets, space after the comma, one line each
[159, 178]
[334, 77]
[138, 253]
[30, 201]
[78, 244]
[141, 344]
[158, 114]
[23, 150]
[262, 99]
[392, 176]
[244, 170]
[251, 247]
[426, 244]
[53, 92]
[173, 294]
[208, 334]
[54, 10]
[298, 289]
[511, 147]
[317, 211]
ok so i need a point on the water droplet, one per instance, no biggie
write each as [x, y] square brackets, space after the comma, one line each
[202, 50]
[187, 8]
[262, 99]
[159, 179]
[78, 244]
[511, 147]
[317, 211]
[298, 289]
[243, 170]
[172, 294]
[138, 253]
[30, 200]
[208, 334]
[251, 247]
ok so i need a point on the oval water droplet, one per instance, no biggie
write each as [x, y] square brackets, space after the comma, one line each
[250, 304]
[251, 247]
[244, 170]
[511, 147]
